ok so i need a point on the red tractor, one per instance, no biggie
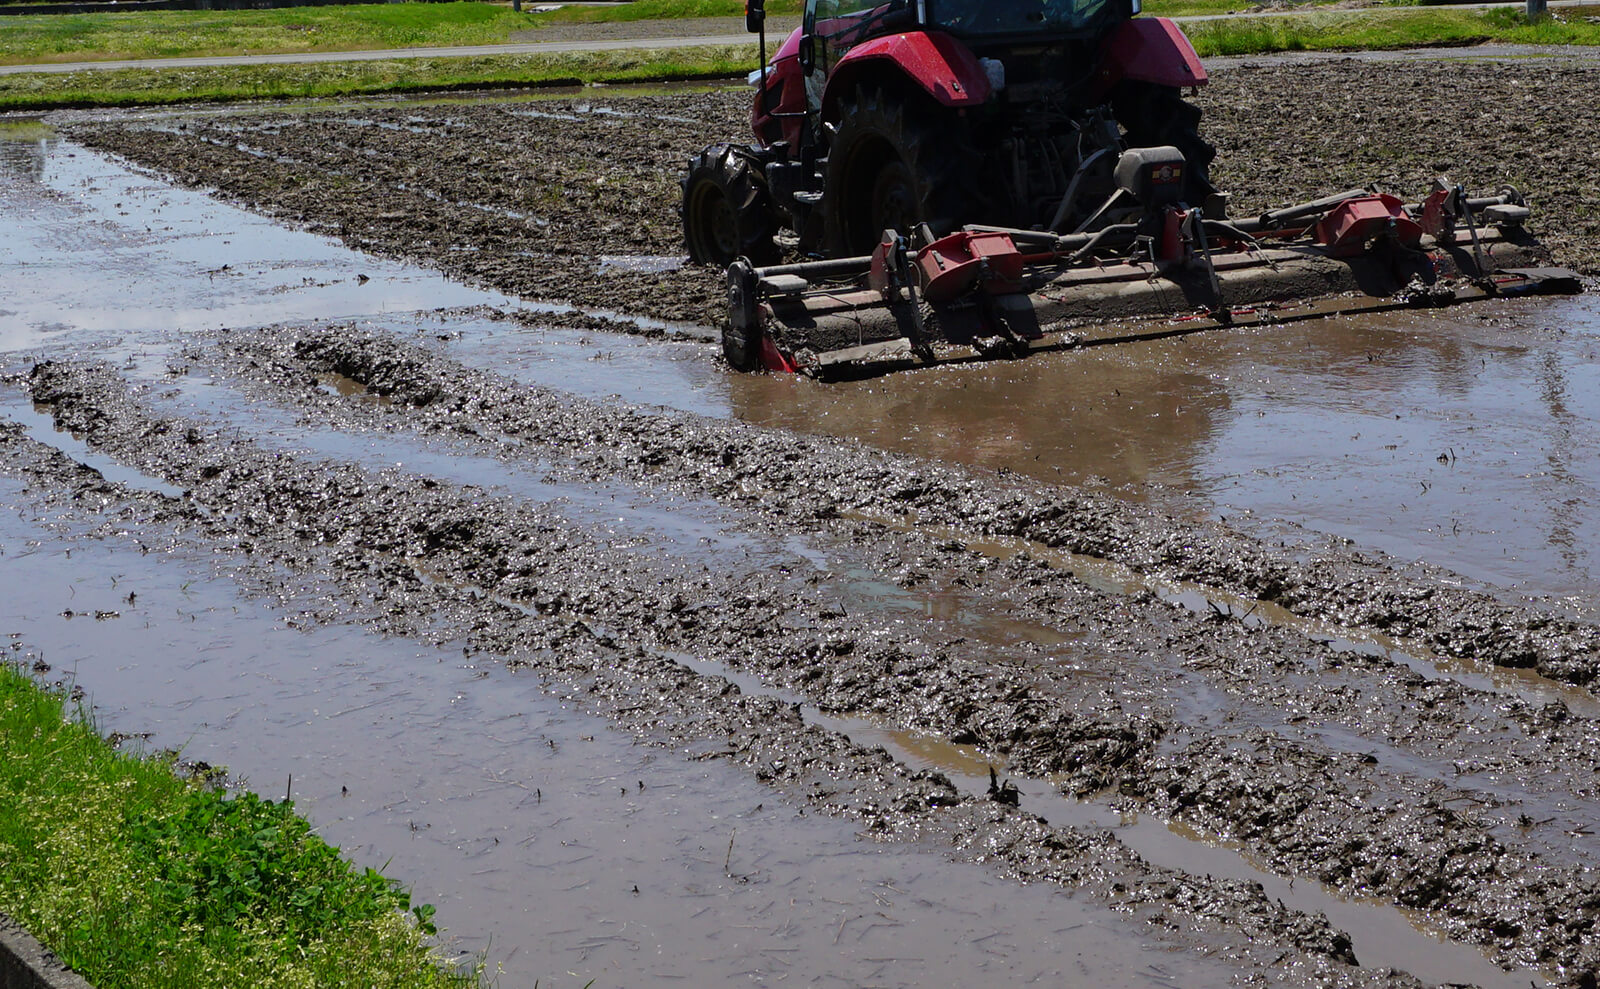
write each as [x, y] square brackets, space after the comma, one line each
[876, 116]
[981, 178]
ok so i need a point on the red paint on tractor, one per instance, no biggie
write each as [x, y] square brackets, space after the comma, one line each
[955, 264]
[779, 117]
[1172, 241]
[945, 68]
[773, 359]
[1151, 49]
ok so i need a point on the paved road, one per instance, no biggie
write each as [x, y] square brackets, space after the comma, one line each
[541, 47]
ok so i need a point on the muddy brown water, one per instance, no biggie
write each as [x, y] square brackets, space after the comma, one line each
[560, 849]
[1465, 438]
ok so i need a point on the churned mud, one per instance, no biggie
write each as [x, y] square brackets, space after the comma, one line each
[861, 633]
[533, 198]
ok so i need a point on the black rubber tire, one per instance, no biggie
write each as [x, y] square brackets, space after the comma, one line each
[1155, 116]
[891, 166]
[726, 210]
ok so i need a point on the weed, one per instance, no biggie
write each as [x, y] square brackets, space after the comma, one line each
[140, 879]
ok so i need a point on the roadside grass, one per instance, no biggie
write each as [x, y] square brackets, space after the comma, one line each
[140, 879]
[1377, 29]
[147, 87]
[44, 38]
[1194, 8]
[28, 38]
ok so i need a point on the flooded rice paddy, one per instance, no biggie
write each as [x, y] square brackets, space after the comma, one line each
[564, 842]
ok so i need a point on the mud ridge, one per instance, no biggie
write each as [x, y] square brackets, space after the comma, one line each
[527, 555]
[1423, 839]
[803, 477]
[1043, 721]
[593, 666]
[1323, 817]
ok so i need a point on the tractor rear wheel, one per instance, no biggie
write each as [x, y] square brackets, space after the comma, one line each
[893, 164]
[726, 210]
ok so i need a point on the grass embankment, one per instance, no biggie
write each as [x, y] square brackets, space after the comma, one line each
[135, 87]
[188, 33]
[29, 38]
[137, 878]
[1389, 28]
[660, 10]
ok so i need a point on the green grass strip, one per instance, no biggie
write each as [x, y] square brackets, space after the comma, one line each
[26, 38]
[1389, 28]
[136, 87]
[141, 880]
[32, 38]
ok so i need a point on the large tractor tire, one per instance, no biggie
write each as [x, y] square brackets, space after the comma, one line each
[1156, 116]
[893, 163]
[726, 209]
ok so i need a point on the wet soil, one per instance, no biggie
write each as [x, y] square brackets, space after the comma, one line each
[528, 197]
[1423, 798]
[1294, 698]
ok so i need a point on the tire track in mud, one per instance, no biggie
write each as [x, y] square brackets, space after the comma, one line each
[1326, 762]
[811, 479]
[282, 519]
[1328, 818]
[1298, 808]
[1484, 874]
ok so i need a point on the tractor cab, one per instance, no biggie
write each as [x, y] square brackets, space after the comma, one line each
[975, 19]
[833, 30]
[874, 115]
[972, 20]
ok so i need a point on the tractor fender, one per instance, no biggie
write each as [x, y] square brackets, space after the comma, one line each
[943, 67]
[1149, 49]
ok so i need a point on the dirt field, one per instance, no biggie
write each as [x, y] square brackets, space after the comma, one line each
[524, 197]
[1262, 717]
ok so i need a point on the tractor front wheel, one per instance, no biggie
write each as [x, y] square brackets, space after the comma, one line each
[726, 210]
